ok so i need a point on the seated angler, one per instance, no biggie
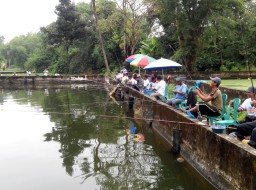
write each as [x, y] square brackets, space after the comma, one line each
[125, 78]
[179, 93]
[146, 83]
[247, 129]
[159, 88]
[134, 82]
[249, 105]
[212, 103]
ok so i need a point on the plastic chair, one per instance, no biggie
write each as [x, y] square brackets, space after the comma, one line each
[165, 97]
[227, 120]
[222, 115]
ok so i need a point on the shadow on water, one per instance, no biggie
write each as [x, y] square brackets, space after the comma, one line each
[98, 152]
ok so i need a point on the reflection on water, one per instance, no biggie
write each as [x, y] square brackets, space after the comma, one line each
[53, 139]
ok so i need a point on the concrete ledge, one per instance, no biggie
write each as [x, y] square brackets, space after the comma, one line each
[225, 162]
[41, 80]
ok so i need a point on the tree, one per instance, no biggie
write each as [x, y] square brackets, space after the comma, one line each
[135, 25]
[100, 36]
[68, 29]
[2, 58]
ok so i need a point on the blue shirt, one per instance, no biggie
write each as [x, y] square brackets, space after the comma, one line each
[181, 88]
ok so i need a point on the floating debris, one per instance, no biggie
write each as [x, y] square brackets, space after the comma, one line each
[131, 131]
[139, 137]
[180, 159]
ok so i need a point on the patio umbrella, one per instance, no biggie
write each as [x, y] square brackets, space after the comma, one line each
[133, 57]
[142, 61]
[161, 64]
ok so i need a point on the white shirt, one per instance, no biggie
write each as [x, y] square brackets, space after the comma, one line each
[146, 84]
[160, 87]
[119, 76]
[246, 105]
[124, 79]
[133, 81]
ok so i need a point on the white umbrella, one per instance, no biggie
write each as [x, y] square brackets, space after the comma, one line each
[161, 64]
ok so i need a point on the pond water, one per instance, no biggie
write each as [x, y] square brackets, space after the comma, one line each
[53, 139]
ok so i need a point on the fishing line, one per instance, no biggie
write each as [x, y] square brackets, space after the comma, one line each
[119, 117]
[146, 119]
[246, 53]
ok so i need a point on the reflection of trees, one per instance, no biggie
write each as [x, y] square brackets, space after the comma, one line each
[126, 164]
[91, 146]
[96, 147]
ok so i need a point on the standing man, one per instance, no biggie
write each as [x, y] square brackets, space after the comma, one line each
[212, 103]
[179, 93]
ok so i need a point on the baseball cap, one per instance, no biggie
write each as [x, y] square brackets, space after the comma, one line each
[251, 89]
[217, 80]
[178, 79]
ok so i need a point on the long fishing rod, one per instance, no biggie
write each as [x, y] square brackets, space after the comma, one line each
[148, 119]
[250, 75]
[246, 54]
[126, 117]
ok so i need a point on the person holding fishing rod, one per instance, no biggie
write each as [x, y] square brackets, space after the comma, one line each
[248, 128]
[212, 103]
[249, 104]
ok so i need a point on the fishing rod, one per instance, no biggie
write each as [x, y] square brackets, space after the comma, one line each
[148, 119]
[250, 74]
[246, 53]
[126, 117]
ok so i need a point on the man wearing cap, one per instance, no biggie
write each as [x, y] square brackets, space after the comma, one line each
[249, 127]
[179, 93]
[212, 105]
[248, 104]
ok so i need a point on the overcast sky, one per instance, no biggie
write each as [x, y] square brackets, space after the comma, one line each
[19, 17]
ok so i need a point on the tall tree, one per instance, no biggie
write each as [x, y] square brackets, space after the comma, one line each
[100, 36]
[68, 29]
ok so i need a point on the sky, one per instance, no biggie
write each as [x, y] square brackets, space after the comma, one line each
[20, 17]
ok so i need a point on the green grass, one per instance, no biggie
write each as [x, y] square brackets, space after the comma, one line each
[239, 84]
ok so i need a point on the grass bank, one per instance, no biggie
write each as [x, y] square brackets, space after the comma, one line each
[240, 84]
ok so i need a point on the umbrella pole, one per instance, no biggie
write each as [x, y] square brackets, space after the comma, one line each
[163, 73]
[139, 70]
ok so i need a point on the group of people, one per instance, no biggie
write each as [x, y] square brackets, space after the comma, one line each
[246, 131]
[211, 105]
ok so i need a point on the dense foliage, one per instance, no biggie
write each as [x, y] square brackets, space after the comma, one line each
[203, 35]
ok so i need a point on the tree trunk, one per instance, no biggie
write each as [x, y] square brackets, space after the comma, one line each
[124, 8]
[100, 36]
[67, 60]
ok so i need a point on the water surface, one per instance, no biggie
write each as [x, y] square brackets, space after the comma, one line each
[53, 139]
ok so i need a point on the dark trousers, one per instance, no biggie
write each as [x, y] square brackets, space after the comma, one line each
[247, 129]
